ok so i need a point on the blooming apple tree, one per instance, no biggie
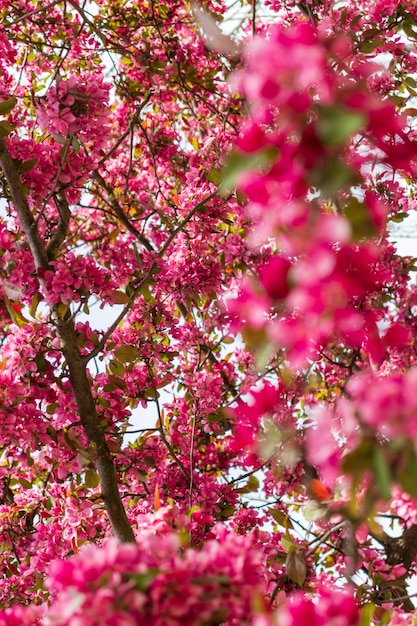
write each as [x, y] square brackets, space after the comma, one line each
[208, 338]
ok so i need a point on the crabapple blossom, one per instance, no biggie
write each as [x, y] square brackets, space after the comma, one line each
[207, 349]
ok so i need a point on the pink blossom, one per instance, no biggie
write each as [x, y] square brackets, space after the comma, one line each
[332, 608]
[76, 105]
[154, 582]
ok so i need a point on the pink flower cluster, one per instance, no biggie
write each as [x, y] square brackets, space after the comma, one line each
[386, 404]
[332, 608]
[302, 304]
[76, 105]
[156, 582]
[74, 277]
[277, 74]
[304, 118]
[381, 406]
[20, 616]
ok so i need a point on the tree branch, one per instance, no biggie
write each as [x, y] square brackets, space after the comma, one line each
[26, 16]
[18, 197]
[91, 424]
[76, 364]
[62, 229]
[402, 551]
[119, 211]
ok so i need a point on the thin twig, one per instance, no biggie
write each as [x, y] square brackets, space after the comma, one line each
[120, 213]
[261, 466]
[146, 277]
[168, 445]
[133, 122]
[34, 12]
[62, 229]
[322, 538]
[198, 207]
[193, 418]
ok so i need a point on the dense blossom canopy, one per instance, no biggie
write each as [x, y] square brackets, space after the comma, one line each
[208, 353]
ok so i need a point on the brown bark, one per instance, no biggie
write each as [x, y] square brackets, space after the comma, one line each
[402, 551]
[75, 362]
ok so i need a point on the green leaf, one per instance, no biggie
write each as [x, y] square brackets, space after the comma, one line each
[399, 100]
[215, 578]
[367, 612]
[369, 46]
[337, 124]
[287, 543]
[240, 162]
[314, 511]
[41, 363]
[126, 354]
[146, 293]
[91, 479]
[119, 297]
[109, 387]
[398, 218]
[382, 473]
[50, 409]
[71, 441]
[355, 21]
[34, 304]
[214, 176]
[369, 33]
[406, 474]
[226, 510]
[5, 128]
[216, 417]
[7, 105]
[296, 567]
[25, 483]
[168, 356]
[280, 518]
[17, 400]
[411, 82]
[360, 219]
[142, 581]
[75, 145]
[30, 462]
[119, 382]
[251, 486]
[409, 31]
[25, 166]
[15, 312]
[359, 460]
[62, 310]
[332, 175]
[116, 368]
[253, 483]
